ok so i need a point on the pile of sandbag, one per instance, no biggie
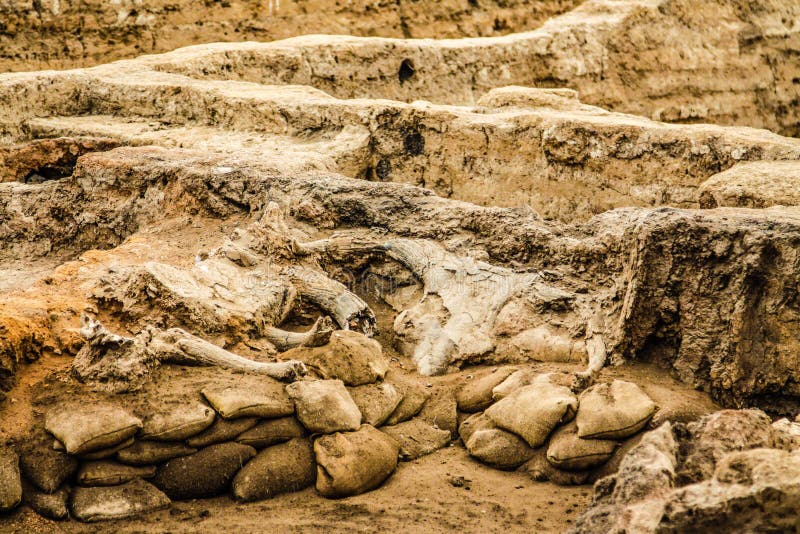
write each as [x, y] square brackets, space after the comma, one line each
[536, 422]
[255, 438]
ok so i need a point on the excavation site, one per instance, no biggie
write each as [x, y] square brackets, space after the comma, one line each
[400, 266]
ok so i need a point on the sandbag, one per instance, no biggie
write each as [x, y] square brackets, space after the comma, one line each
[539, 469]
[324, 406]
[203, 474]
[10, 480]
[177, 421]
[441, 409]
[533, 411]
[516, 380]
[476, 395]
[108, 473]
[135, 498]
[271, 432]
[102, 454]
[417, 438]
[153, 452]
[349, 356]
[569, 452]
[222, 430]
[376, 402]
[491, 445]
[84, 428]
[349, 463]
[266, 399]
[50, 505]
[46, 468]
[613, 411]
[414, 398]
[279, 469]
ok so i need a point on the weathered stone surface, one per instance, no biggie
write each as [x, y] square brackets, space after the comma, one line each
[349, 356]
[376, 402]
[116, 502]
[107, 473]
[271, 432]
[266, 398]
[205, 473]
[349, 463]
[417, 438]
[758, 184]
[324, 406]
[85, 428]
[279, 469]
[153, 452]
[533, 411]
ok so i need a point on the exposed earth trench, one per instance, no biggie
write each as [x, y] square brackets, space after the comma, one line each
[576, 250]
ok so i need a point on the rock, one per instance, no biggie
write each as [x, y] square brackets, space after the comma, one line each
[265, 398]
[613, 411]
[786, 434]
[45, 468]
[85, 428]
[106, 473]
[324, 406]
[533, 411]
[414, 398]
[10, 480]
[205, 473]
[349, 463]
[476, 395]
[376, 402]
[569, 452]
[417, 438]
[541, 470]
[271, 432]
[714, 435]
[222, 430]
[107, 453]
[50, 505]
[753, 184]
[176, 422]
[153, 452]
[133, 499]
[279, 469]
[349, 356]
[498, 448]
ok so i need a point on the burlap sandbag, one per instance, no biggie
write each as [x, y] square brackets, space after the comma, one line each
[414, 398]
[376, 402]
[102, 454]
[349, 463]
[50, 505]
[539, 469]
[473, 423]
[222, 430]
[177, 421]
[572, 453]
[491, 445]
[135, 498]
[279, 469]
[265, 398]
[204, 474]
[272, 432]
[417, 438]
[10, 480]
[533, 411]
[349, 356]
[613, 411]
[45, 468]
[516, 380]
[88, 427]
[476, 395]
[153, 452]
[108, 473]
[324, 406]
